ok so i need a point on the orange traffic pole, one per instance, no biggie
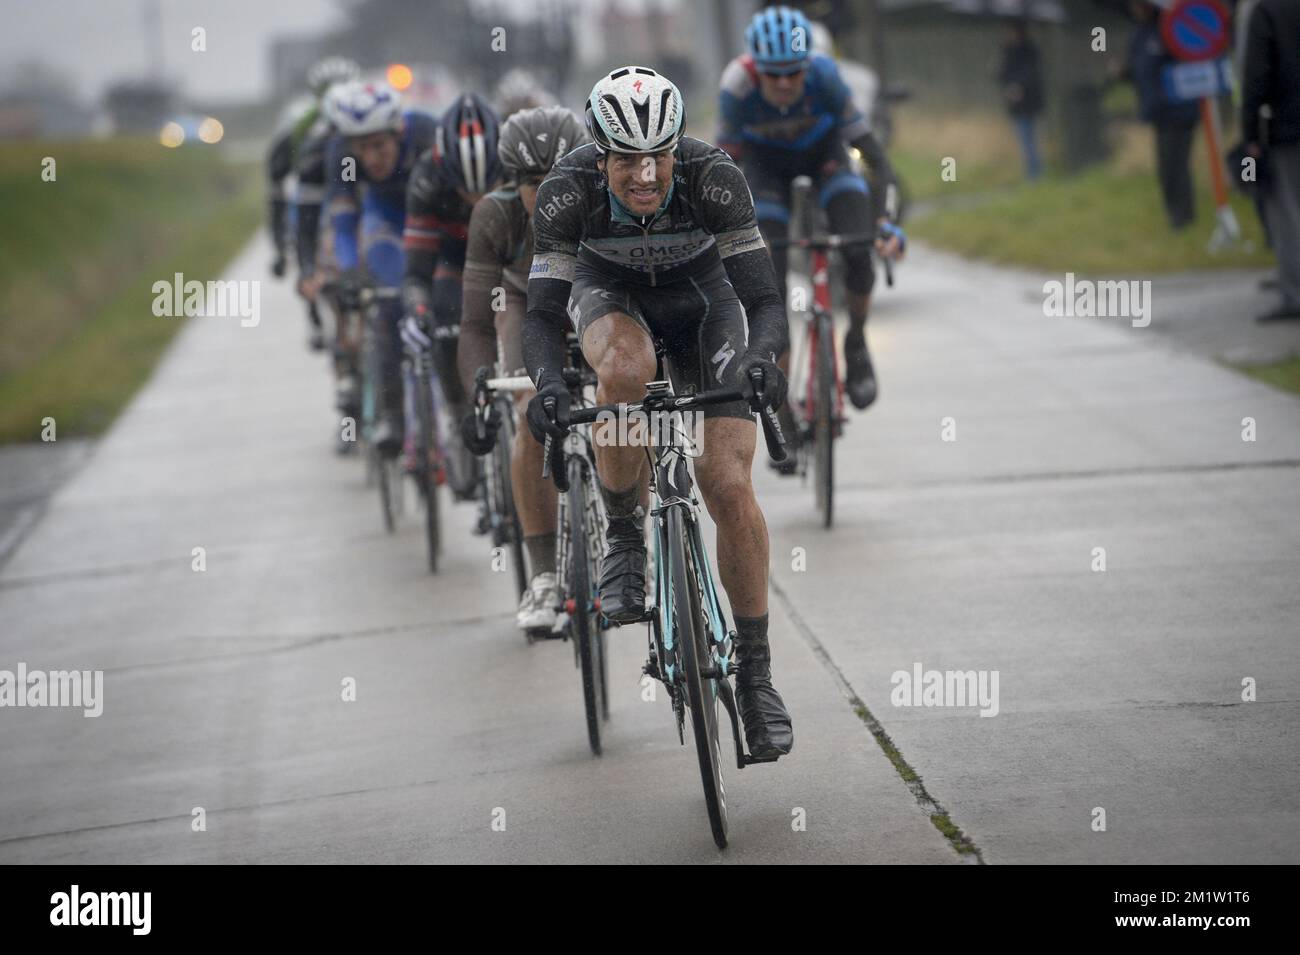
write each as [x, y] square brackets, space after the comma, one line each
[1210, 119]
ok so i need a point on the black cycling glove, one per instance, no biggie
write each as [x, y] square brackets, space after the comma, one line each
[770, 389]
[539, 422]
[469, 435]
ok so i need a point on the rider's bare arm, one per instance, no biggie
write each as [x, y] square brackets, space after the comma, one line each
[484, 264]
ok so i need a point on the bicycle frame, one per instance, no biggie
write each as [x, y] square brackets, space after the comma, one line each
[820, 323]
[671, 487]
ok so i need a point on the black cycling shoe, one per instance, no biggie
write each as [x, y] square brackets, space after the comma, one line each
[861, 377]
[787, 467]
[622, 571]
[768, 729]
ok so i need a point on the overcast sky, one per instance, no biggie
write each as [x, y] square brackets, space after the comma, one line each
[98, 42]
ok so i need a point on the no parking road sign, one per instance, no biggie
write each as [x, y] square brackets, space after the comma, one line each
[1195, 29]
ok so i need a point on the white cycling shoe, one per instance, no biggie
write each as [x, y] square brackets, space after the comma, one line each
[537, 608]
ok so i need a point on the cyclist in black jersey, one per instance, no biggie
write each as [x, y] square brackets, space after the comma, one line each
[648, 235]
[453, 174]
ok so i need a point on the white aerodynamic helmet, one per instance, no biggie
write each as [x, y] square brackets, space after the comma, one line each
[358, 109]
[635, 110]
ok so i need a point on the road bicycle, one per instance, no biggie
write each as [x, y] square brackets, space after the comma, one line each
[690, 645]
[579, 541]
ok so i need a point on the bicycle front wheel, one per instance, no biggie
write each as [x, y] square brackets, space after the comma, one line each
[824, 419]
[426, 477]
[583, 618]
[508, 532]
[692, 636]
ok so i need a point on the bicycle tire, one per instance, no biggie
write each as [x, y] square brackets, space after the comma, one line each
[386, 505]
[702, 700]
[824, 420]
[427, 480]
[583, 619]
[514, 532]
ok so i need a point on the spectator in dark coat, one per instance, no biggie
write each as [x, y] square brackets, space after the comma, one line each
[1272, 79]
[1021, 79]
[1174, 122]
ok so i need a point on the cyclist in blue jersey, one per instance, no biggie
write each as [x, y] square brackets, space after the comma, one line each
[786, 112]
[370, 161]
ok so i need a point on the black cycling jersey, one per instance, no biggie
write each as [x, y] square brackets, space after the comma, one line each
[280, 161]
[437, 227]
[707, 220]
[311, 192]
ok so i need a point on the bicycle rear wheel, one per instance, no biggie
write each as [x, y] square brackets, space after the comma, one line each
[697, 658]
[583, 617]
[824, 419]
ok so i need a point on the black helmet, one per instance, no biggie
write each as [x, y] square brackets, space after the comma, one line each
[533, 139]
[468, 143]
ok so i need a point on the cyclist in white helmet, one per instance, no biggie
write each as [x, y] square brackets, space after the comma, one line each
[648, 235]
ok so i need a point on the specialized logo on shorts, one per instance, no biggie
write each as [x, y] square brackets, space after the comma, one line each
[722, 358]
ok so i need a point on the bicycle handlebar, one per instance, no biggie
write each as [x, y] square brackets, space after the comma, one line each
[553, 451]
[823, 243]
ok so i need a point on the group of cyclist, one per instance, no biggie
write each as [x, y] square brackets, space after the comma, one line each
[508, 230]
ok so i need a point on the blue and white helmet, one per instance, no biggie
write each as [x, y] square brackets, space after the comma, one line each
[358, 109]
[779, 39]
[635, 110]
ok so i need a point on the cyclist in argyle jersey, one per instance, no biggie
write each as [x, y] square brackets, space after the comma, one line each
[642, 236]
[785, 112]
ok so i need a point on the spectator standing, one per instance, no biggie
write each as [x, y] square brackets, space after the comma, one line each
[1272, 82]
[1021, 79]
[1174, 122]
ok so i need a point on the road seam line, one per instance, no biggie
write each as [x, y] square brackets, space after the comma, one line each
[937, 814]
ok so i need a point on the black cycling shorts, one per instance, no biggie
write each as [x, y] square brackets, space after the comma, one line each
[698, 320]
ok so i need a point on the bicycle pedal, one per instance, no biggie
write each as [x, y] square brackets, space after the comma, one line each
[644, 617]
[750, 760]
